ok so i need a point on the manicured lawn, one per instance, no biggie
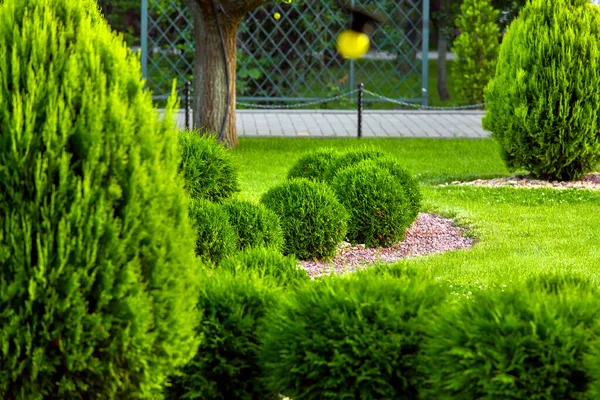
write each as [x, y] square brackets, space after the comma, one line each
[520, 232]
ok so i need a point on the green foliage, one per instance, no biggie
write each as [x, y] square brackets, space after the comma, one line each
[349, 338]
[514, 345]
[314, 164]
[379, 208]
[402, 176]
[476, 48]
[97, 270]
[207, 167]
[255, 225]
[543, 105]
[215, 237]
[557, 283]
[312, 219]
[350, 158]
[226, 365]
[267, 264]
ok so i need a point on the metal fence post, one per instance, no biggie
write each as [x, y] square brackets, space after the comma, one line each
[187, 104]
[144, 38]
[361, 87]
[425, 54]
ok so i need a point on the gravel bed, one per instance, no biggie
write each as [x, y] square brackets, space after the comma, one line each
[589, 181]
[430, 233]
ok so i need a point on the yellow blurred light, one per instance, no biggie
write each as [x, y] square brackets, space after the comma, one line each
[352, 44]
[277, 16]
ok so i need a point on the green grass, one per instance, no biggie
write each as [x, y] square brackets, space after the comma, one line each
[519, 232]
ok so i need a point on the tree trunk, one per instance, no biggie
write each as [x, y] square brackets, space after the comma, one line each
[210, 88]
[442, 82]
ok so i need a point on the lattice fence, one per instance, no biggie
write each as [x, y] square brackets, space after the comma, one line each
[294, 58]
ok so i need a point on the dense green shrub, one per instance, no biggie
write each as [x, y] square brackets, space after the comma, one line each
[557, 283]
[379, 208]
[476, 48]
[226, 365]
[405, 178]
[543, 106]
[207, 167]
[267, 264]
[215, 237]
[513, 345]
[255, 225]
[349, 338]
[97, 267]
[314, 164]
[312, 219]
[351, 158]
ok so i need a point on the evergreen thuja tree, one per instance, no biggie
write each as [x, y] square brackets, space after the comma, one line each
[97, 267]
[543, 104]
[476, 47]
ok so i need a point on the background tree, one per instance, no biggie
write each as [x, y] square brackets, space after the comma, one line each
[476, 48]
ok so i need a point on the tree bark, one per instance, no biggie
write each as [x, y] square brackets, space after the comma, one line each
[210, 85]
[442, 70]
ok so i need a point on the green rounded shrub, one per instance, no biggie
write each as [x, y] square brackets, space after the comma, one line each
[312, 219]
[207, 167]
[267, 264]
[405, 178]
[379, 208]
[349, 338]
[513, 345]
[349, 159]
[558, 283]
[97, 269]
[543, 106]
[215, 237]
[314, 164]
[255, 225]
[226, 365]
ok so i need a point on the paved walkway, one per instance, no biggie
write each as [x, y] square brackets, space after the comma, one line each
[336, 123]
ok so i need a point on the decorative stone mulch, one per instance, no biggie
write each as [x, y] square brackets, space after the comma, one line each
[430, 233]
[589, 181]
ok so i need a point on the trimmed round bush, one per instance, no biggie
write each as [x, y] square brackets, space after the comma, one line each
[349, 159]
[267, 264]
[349, 338]
[513, 345]
[401, 175]
[207, 167]
[97, 269]
[254, 224]
[226, 365]
[314, 164]
[543, 106]
[312, 219]
[215, 237]
[380, 210]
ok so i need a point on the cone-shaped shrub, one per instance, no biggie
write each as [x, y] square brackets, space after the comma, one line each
[207, 167]
[97, 269]
[268, 264]
[518, 344]
[476, 48]
[349, 159]
[314, 164]
[312, 219]
[379, 208]
[226, 365]
[215, 237]
[349, 338]
[543, 104]
[255, 225]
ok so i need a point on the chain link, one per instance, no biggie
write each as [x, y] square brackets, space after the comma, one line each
[347, 94]
[298, 105]
[420, 106]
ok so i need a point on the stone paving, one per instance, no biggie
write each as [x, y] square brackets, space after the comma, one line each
[341, 123]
